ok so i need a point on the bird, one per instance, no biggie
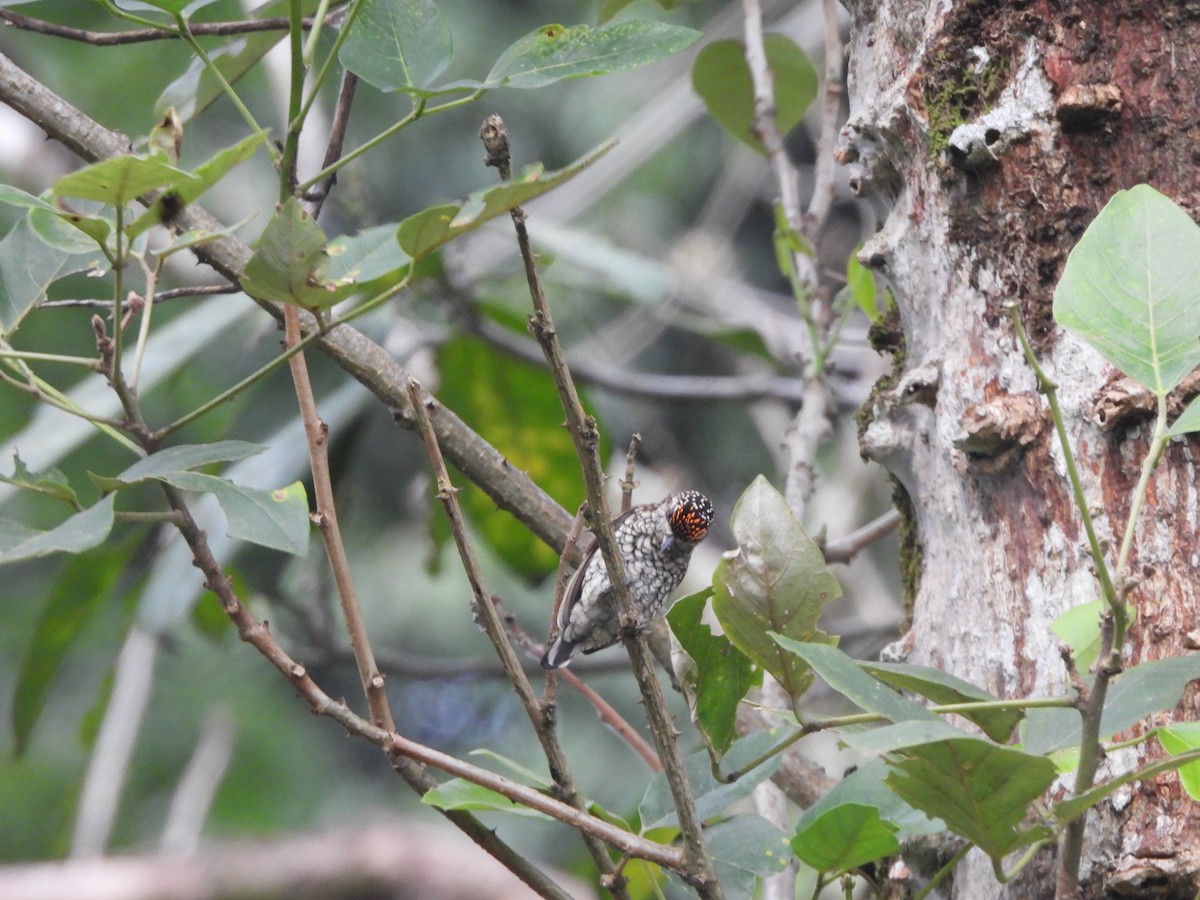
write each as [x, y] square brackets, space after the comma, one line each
[656, 542]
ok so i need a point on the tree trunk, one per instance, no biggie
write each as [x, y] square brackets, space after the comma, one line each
[993, 133]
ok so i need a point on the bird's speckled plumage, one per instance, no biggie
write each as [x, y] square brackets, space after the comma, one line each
[656, 542]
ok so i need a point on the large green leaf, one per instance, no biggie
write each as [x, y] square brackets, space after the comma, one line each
[201, 179]
[370, 258]
[775, 581]
[942, 688]
[721, 77]
[657, 809]
[479, 384]
[80, 532]
[979, 789]
[84, 586]
[1131, 288]
[182, 457]
[846, 676]
[397, 45]
[866, 786]
[845, 837]
[423, 232]
[121, 179]
[1182, 737]
[722, 675]
[555, 52]
[291, 265]
[28, 266]
[744, 849]
[457, 793]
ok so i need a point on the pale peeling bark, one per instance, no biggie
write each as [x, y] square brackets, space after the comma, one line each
[1071, 103]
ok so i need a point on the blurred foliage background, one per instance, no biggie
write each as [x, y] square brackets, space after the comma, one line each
[658, 261]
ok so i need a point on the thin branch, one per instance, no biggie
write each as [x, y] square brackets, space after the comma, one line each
[140, 35]
[204, 290]
[337, 139]
[627, 483]
[541, 716]
[697, 866]
[845, 549]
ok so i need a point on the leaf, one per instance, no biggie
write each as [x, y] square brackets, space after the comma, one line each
[847, 677]
[657, 809]
[721, 77]
[205, 176]
[183, 457]
[775, 581]
[942, 688]
[722, 675]
[1131, 288]
[865, 786]
[743, 849]
[901, 735]
[524, 773]
[1079, 629]
[861, 282]
[371, 256]
[1077, 806]
[53, 483]
[456, 793]
[291, 265]
[80, 532]
[397, 45]
[423, 232]
[181, 7]
[979, 789]
[1178, 738]
[277, 519]
[82, 589]
[1188, 421]
[197, 88]
[120, 180]
[27, 268]
[554, 52]
[845, 837]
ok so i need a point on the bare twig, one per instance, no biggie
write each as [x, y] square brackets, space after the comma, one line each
[541, 715]
[337, 139]
[207, 290]
[697, 867]
[627, 483]
[845, 549]
[140, 35]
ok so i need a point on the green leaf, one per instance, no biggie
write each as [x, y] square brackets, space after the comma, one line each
[423, 232]
[1188, 421]
[775, 581]
[525, 774]
[28, 265]
[183, 457]
[722, 675]
[861, 282]
[83, 588]
[479, 384]
[1077, 806]
[866, 786]
[291, 264]
[743, 849]
[1079, 629]
[721, 76]
[53, 483]
[845, 837]
[555, 52]
[80, 532]
[657, 809]
[456, 793]
[397, 45]
[277, 519]
[96, 228]
[204, 177]
[890, 738]
[120, 180]
[846, 676]
[941, 688]
[1178, 738]
[980, 790]
[197, 88]
[1131, 288]
[370, 257]
[183, 7]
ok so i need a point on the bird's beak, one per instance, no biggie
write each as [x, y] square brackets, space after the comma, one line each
[667, 544]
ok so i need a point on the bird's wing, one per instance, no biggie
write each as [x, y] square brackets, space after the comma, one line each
[575, 585]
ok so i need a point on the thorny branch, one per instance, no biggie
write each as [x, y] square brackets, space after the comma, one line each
[697, 867]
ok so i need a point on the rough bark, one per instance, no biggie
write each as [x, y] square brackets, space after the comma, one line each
[991, 133]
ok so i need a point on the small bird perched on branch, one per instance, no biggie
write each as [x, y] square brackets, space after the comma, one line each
[655, 541]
